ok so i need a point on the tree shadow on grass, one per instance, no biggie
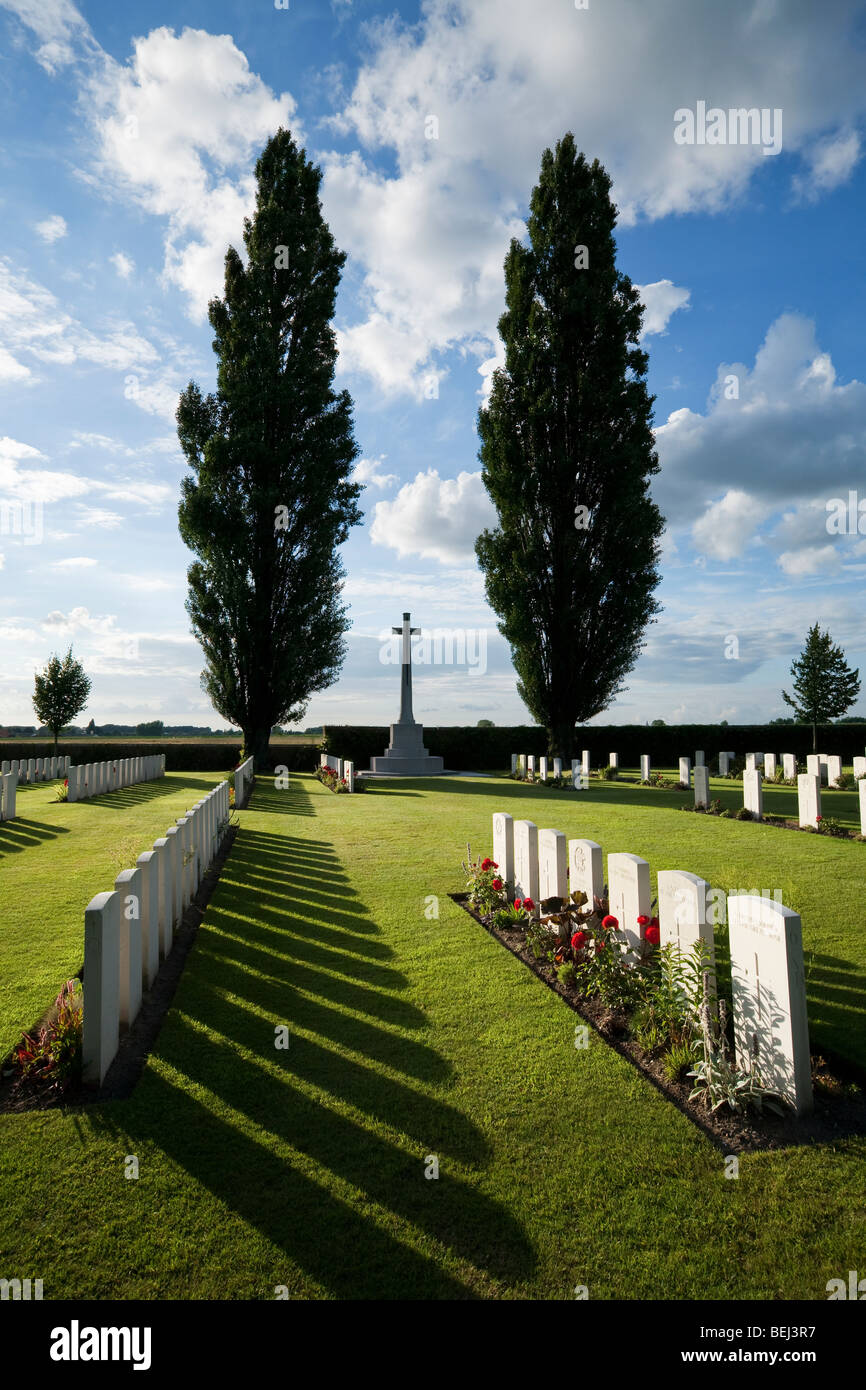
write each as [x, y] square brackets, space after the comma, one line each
[21, 834]
[838, 989]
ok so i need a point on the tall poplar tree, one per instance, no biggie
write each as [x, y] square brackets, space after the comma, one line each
[567, 452]
[271, 452]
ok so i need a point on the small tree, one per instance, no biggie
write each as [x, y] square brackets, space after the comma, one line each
[825, 687]
[61, 693]
[485, 724]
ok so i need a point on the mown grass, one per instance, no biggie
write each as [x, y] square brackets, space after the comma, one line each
[413, 1036]
[54, 856]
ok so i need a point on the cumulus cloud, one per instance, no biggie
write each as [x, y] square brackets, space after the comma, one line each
[812, 559]
[435, 518]
[370, 471]
[727, 527]
[465, 100]
[661, 300]
[123, 264]
[61, 31]
[52, 229]
[773, 430]
[177, 128]
[830, 162]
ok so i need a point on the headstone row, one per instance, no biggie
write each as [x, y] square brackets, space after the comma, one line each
[127, 931]
[32, 770]
[766, 942]
[244, 778]
[344, 769]
[94, 779]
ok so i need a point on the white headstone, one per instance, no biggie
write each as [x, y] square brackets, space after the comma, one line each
[834, 769]
[613, 760]
[163, 849]
[769, 996]
[101, 985]
[751, 762]
[825, 775]
[584, 762]
[578, 781]
[530, 763]
[542, 769]
[575, 766]
[724, 764]
[349, 774]
[861, 786]
[702, 785]
[769, 766]
[552, 865]
[513, 763]
[789, 766]
[628, 879]
[503, 845]
[683, 912]
[859, 768]
[585, 870]
[699, 757]
[526, 860]
[753, 796]
[813, 765]
[557, 767]
[148, 864]
[128, 885]
[685, 772]
[645, 767]
[809, 798]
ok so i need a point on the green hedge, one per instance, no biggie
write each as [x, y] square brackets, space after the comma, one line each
[488, 750]
[202, 756]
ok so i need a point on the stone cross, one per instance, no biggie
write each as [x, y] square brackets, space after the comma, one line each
[407, 632]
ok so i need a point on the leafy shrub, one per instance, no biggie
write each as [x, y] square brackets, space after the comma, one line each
[846, 783]
[485, 889]
[676, 1060]
[744, 814]
[566, 973]
[726, 815]
[53, 1054]
[828, 825]
[609, 773]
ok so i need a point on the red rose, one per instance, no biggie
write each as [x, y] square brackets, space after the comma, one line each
[496, 885]
[518, 903]
[486, 864]
[653, 935]
[528, 905]
[643, 921]
[819, 817]
[609, 922]
[654, 921]
[578, 941]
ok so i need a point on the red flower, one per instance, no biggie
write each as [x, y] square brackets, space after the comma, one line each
[652, 935]
[66, 782]
[528, 905]
[819, 817]
[654, 921]
[599, 946]
[609, 922]
[496, 885]
[578, 941]
[486, 864]
[518, 903]
[643, 921]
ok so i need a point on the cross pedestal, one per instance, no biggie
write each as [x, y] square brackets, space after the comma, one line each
[406, 755]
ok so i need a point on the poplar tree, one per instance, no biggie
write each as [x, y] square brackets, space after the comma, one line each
[271, 450]
[567, 455]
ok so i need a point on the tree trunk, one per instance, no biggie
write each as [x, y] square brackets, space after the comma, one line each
[814, 738]
[56, 733]
[257, 746]
[560, 737]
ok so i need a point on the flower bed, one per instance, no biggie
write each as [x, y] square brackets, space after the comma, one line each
[658, 1008]
[329, 778]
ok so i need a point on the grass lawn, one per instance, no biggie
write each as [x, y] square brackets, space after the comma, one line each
[410, 1038]
[53, 858]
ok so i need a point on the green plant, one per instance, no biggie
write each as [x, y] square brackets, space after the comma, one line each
[484, 888]
[538, 939]
[676, 1060]
[827, 825]
[53, 1053]
[726, 815]
[566, 973]
[718, 1081]
[846, 783]
[715, 807]
[61, 793]
[743, 814]
[511, 916]
[609, 773]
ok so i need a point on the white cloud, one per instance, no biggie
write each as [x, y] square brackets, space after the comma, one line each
[727, 526]
[503, 79]
[436, 518]
[813, 559]
[661, 300]
[176, 129]
[58, 26]
[369, 471]
[830, 163]
[123, 264]
[53, 228]
[11, 369]
[75, 562]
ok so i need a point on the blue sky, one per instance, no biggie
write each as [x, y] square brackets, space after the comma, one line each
[127, 142]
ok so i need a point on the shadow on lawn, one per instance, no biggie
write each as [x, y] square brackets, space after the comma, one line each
[288, 940]
[21, 834]
[151, 791]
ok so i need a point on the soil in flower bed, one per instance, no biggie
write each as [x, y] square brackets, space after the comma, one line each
[17, 1094]
[839, 1106]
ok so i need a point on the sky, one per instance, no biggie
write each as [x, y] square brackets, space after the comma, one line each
[128, 138]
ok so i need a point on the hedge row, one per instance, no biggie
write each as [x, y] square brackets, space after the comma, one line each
[195, 756]
[486, 750]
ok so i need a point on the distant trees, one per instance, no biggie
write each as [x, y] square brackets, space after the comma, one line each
[825, 687]
[153, 728]
[61, 691]
[485, 724]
